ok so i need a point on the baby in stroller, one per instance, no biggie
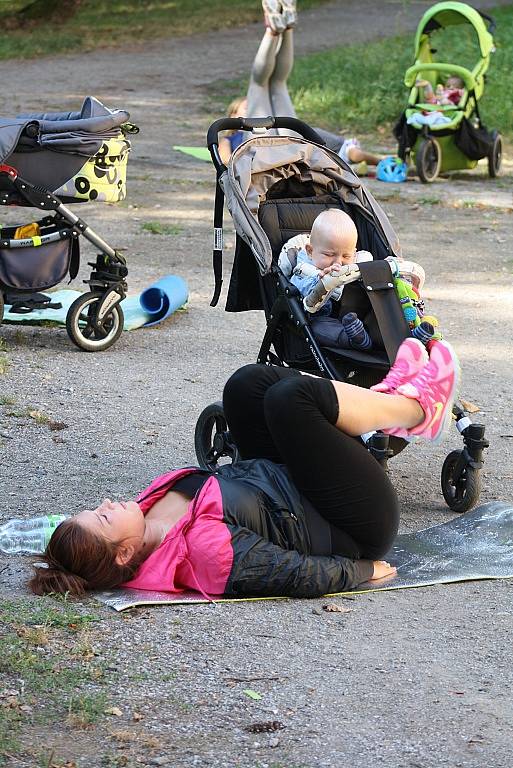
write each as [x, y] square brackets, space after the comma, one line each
[319, 264]
[329, 249]
[451, 93]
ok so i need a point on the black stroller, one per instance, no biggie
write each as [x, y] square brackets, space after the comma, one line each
[47, 160]
[275, 186]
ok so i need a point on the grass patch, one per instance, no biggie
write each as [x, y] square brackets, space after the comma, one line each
[429, 201]
[361, 87]
[157, 228]
[100, 23]
[50, 671]
[7, 400]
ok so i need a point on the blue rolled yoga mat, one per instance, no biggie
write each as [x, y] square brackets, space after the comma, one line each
[156, 303]
[151, 306]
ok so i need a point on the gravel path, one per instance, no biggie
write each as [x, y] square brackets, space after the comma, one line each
[415, 678]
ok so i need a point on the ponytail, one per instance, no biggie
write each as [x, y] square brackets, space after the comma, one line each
[77, 560]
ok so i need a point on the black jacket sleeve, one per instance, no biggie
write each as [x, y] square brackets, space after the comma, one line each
[262, 568]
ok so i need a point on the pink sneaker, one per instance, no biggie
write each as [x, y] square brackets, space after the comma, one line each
[410, 359]
[434, 387]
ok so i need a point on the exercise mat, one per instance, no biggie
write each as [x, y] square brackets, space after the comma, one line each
[477, 545]
[199, 153]
[149, 307]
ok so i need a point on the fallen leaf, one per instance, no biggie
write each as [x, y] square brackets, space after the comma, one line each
[334, 608]
[56, 425]
[469, 407]
[113, 711]
[457, 693]
[252, 694]
[137, 716]
[265, 727]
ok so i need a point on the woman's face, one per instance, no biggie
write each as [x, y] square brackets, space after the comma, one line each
[116, 521]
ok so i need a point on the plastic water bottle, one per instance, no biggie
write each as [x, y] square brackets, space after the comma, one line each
[28, 536]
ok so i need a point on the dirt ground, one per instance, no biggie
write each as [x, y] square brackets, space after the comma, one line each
[414, 678]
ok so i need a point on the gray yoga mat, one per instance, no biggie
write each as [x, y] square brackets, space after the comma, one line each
[477, 545]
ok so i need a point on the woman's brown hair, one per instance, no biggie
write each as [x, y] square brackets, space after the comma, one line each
[77, 560]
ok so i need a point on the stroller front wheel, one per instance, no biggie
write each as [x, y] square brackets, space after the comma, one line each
[212, 440]
[461, 485]
[428, 160]
[83, 327]
[495, 157]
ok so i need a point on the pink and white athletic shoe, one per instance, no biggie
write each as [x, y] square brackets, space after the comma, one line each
[410, 359]
[434, 387]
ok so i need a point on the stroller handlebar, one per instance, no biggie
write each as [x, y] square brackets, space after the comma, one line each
[251, 123]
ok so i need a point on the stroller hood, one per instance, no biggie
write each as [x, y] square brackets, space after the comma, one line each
[261, 162]
[79, 133]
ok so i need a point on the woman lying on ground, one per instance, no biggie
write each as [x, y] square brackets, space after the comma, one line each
[307, 511]
[268, 92]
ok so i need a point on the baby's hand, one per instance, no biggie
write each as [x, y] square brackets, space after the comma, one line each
[329, 270]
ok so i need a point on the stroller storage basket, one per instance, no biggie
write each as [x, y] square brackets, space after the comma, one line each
[38, 262]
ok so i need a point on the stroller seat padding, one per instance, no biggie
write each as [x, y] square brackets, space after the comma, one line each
[282, 219]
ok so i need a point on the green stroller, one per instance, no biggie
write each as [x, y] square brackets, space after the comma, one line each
[445, 132]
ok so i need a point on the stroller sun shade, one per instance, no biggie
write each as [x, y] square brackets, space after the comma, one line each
[261, 163]
[77, 155]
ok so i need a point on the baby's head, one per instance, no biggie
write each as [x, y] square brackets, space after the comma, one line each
[332, 239]
[453, 81]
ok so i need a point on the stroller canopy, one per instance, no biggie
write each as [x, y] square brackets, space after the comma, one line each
[79, 133]
[444, 15]
[262, 162]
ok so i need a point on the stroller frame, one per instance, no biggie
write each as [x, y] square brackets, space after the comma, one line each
[459, 143]
[282, 305]
[95, 320]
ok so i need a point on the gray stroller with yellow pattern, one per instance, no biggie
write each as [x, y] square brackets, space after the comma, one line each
[46, 162]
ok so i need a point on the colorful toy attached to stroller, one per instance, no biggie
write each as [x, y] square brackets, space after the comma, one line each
[47, 160]
[275, 187]
[442, 130]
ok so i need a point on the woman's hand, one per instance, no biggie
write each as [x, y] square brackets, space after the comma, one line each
[382, 569]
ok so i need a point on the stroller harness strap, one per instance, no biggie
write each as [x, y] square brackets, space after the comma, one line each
[377, 281]
[217, 253]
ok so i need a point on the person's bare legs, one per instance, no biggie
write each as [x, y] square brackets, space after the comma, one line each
[361, 410]
[259, 97]
[358, 155]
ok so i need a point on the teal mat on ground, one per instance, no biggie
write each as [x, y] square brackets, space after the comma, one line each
[477, 545]
[151, 306]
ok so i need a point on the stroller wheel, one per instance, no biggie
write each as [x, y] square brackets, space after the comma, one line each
[1, 306]
[81, 326]
[212, 440]
[461, 487]
[495, 156]
[428, 160]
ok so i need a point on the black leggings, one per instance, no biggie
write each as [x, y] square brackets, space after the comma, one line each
[278, 414]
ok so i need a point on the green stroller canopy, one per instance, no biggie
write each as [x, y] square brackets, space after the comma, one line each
[444, 15]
